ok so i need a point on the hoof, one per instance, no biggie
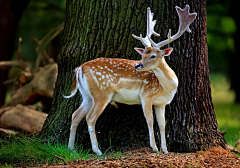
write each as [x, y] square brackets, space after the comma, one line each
[165, 152]
[71, 148]
[99, 153]
[155, 149]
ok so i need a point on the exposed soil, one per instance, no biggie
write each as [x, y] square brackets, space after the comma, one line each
[215, 157]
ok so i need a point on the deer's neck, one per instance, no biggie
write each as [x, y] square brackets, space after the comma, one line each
[166, 76]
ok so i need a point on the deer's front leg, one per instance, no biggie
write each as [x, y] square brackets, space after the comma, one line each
[160, 114]
[147, 110]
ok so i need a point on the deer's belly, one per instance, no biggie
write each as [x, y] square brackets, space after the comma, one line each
[127, 96]
[164, 99]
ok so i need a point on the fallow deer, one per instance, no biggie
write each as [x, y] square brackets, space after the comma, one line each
[147, 82]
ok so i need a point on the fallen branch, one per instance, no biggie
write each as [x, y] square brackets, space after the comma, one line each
[229, 147]
[232, 149]
[22, 118]
[7, 132]
[9, 64]
[56, 156]
[42, 56]
[42, 85]
[20, 63]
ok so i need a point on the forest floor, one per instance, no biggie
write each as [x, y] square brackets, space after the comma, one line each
[144, 157]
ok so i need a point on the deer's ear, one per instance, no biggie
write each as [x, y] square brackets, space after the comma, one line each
[167, 51]
[139, 50]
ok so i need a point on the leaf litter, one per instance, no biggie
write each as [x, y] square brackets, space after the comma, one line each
[144, 157]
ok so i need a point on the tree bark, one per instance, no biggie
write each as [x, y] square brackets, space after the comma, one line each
[10, 14]
[103, 29]
[191, 115]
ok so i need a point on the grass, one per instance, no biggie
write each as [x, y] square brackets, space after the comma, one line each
[32, 152]
[228, 113]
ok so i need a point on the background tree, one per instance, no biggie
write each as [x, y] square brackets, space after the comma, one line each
[10, 14]
[103, 29]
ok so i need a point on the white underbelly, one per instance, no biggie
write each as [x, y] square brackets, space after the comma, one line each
[164, 99]
[127, 96]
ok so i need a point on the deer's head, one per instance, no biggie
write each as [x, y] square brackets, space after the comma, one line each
[151, 58]
[152, 55]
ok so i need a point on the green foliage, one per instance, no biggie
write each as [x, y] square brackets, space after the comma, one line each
[228, 113]
[220, 38]
[32, 151]
[39, 17]
[228, 116]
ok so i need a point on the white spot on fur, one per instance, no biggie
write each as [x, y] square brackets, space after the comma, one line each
[145, 81]
[90, 129]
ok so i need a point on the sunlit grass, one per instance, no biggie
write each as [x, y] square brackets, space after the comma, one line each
[228, 113]
[33, 152]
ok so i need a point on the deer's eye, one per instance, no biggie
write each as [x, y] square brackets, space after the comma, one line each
[152, 56]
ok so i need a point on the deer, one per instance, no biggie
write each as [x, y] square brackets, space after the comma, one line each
[149, 82]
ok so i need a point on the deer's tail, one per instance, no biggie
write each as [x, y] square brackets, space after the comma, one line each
[76, 84]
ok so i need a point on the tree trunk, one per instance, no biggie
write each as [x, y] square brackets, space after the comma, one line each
[10, 14]
[103, 29]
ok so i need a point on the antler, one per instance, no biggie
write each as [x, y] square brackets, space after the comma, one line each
[150, 26]
[185, 19]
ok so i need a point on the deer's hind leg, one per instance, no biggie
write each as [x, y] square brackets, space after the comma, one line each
[98, 107]
[77, 116]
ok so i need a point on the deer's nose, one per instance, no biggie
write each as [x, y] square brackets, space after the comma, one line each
[138, 65]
